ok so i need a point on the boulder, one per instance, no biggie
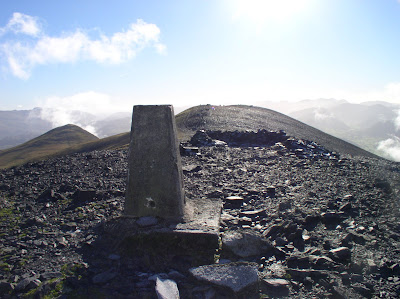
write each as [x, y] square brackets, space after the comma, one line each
[275, 287]
[235, 276]
[341, 254]
[166, 289]
[245, 243]
[104, 277]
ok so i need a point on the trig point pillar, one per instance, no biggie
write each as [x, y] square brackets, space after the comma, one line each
[155, 180]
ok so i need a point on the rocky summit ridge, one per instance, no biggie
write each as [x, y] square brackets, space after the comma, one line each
[298, 220]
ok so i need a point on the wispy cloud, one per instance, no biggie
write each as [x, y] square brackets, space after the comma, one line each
[390, 148]
[21, 23]
[75, 109]
[22, 55]
[397, 120]
[321, 114]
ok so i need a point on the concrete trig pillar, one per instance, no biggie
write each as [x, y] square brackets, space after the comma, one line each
[155, 180]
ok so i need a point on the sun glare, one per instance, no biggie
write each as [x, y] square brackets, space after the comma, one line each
[262, 11]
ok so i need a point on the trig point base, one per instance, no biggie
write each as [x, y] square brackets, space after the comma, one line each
[159, 228]
[155, 182]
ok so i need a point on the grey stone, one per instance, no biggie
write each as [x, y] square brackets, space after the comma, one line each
[371, 265]
[81, 196]
[104, 277]
[197, 236]
[6, 287]
[363, 290]
[224, 261]
[301, 274]
[235, 276]
[114, 257]
[345, 207]
[275, 287]
[284, 206]
[338, 292]
[155, 178]
[220, 143]
[50, 275]
[27, 284]
[341, 254]
[332, 217]
[276, 282]
[201, 139]
[158, 276]
[244, 243]
[147, 221]
[235, 198]
[321, 262]
[166, 289]
[279, 241]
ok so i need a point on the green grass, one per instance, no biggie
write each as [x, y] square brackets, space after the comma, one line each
[59, 286]
[9, 217]
[5, 267]
[119, 141]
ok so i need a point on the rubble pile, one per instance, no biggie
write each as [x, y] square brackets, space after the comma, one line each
[307, 222]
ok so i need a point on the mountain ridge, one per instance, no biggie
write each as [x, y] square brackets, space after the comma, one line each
[208, 117]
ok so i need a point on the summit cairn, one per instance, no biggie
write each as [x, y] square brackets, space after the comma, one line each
[155, 179]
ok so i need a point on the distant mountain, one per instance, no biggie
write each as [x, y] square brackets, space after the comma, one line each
[383, 103]
[287, 108]
[45, 145]
[114, 124]
[18, 126]
[365, 125]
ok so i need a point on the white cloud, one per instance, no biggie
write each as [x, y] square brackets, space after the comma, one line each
[397, 121]
[75, 109]
[23, 56]
[21, 23]
[320, 114]
[391, 148]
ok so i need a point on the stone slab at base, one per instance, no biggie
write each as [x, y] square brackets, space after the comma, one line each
[166, 245]
[237, 280]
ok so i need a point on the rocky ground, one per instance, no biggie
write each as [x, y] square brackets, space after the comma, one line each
[312, 223]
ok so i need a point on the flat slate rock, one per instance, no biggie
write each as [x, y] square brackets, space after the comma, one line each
[244, 243]
[235, 276]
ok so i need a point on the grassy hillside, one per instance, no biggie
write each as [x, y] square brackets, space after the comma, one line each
[45, 145]
[109, 143]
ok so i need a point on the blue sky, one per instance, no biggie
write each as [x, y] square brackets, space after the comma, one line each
[104, 56]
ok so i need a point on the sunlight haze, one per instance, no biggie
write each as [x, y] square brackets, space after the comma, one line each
[187, 53]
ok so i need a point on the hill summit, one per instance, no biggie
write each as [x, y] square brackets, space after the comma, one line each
[40, 147]
[242, 118]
